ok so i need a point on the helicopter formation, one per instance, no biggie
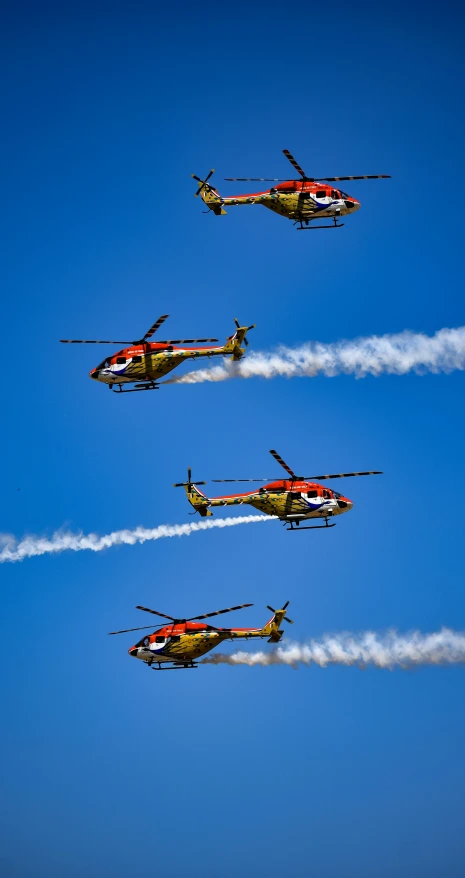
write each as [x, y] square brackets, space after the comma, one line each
[138, 366]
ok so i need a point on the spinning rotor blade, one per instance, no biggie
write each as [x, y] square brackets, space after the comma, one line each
[342, 475]
[202, 182]
[285, 618]
[191, 618]
[238, 325]
[256, 179]
[155, 326]
[156, 613]
[294, 163]
[362, 177]
[183, 484]
[242, 480]
[217, 612]
[91, 341]
[126, 630]
[185, 340]
[283, 464]
[139, 341]
[189, 481]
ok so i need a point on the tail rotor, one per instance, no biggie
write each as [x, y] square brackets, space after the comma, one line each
[247, 328]
[203, 183]
[189, 484]
[284, 617]
[272, 628]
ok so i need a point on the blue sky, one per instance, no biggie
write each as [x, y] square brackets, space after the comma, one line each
[108, 109]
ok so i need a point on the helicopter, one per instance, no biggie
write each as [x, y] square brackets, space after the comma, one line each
[177, 644]
[292, 500]
[145, 362]
[303, 200]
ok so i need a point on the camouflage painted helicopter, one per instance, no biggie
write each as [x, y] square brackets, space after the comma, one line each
[145, 362]
[292, 500]
[303, 200]
[181, 642]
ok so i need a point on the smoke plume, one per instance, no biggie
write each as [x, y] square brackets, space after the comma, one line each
[376, 355]
[389, 650]
[12, 549]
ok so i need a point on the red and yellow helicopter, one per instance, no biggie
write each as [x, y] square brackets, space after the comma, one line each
[179, 643]
[303, 200]
[292, 500]
[146, 362]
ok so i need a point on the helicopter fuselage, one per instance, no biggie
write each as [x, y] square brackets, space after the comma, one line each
[186, 642]
[286, 499]
[148, 362]
[294, 199]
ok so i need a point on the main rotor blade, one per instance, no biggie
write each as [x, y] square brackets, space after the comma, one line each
[342, 475]
[155, 326]
[294, 163]
[256, 179]
[156, 613]
[242, 480]
[126, 630]
[362, 177]
[218, 612]
[185, 340]
[282, 462]
[90, 341]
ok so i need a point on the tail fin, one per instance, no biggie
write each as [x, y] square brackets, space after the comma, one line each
[209, 195]
[233, 344]
[272, 627]
[198, 500]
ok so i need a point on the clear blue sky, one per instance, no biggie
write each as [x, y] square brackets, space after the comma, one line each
[107, 109]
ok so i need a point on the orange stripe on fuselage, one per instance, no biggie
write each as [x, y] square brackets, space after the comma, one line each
[281, 485]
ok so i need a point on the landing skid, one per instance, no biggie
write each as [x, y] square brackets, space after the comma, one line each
[295, 526]
[308, 228]
[150, 385]
[177, 667]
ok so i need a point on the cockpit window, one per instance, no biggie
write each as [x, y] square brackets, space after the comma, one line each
[105, 364]
[336, 495]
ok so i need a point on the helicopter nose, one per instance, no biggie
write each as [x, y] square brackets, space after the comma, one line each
[345, 504]
[95, 374]
[133, 651]
[352, 205]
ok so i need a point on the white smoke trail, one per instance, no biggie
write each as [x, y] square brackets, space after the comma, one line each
[389, 650]
[12, 549]
[376, 355]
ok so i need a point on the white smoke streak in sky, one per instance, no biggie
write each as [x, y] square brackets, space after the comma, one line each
[376, 355]
[390, 650]
[12, 549]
